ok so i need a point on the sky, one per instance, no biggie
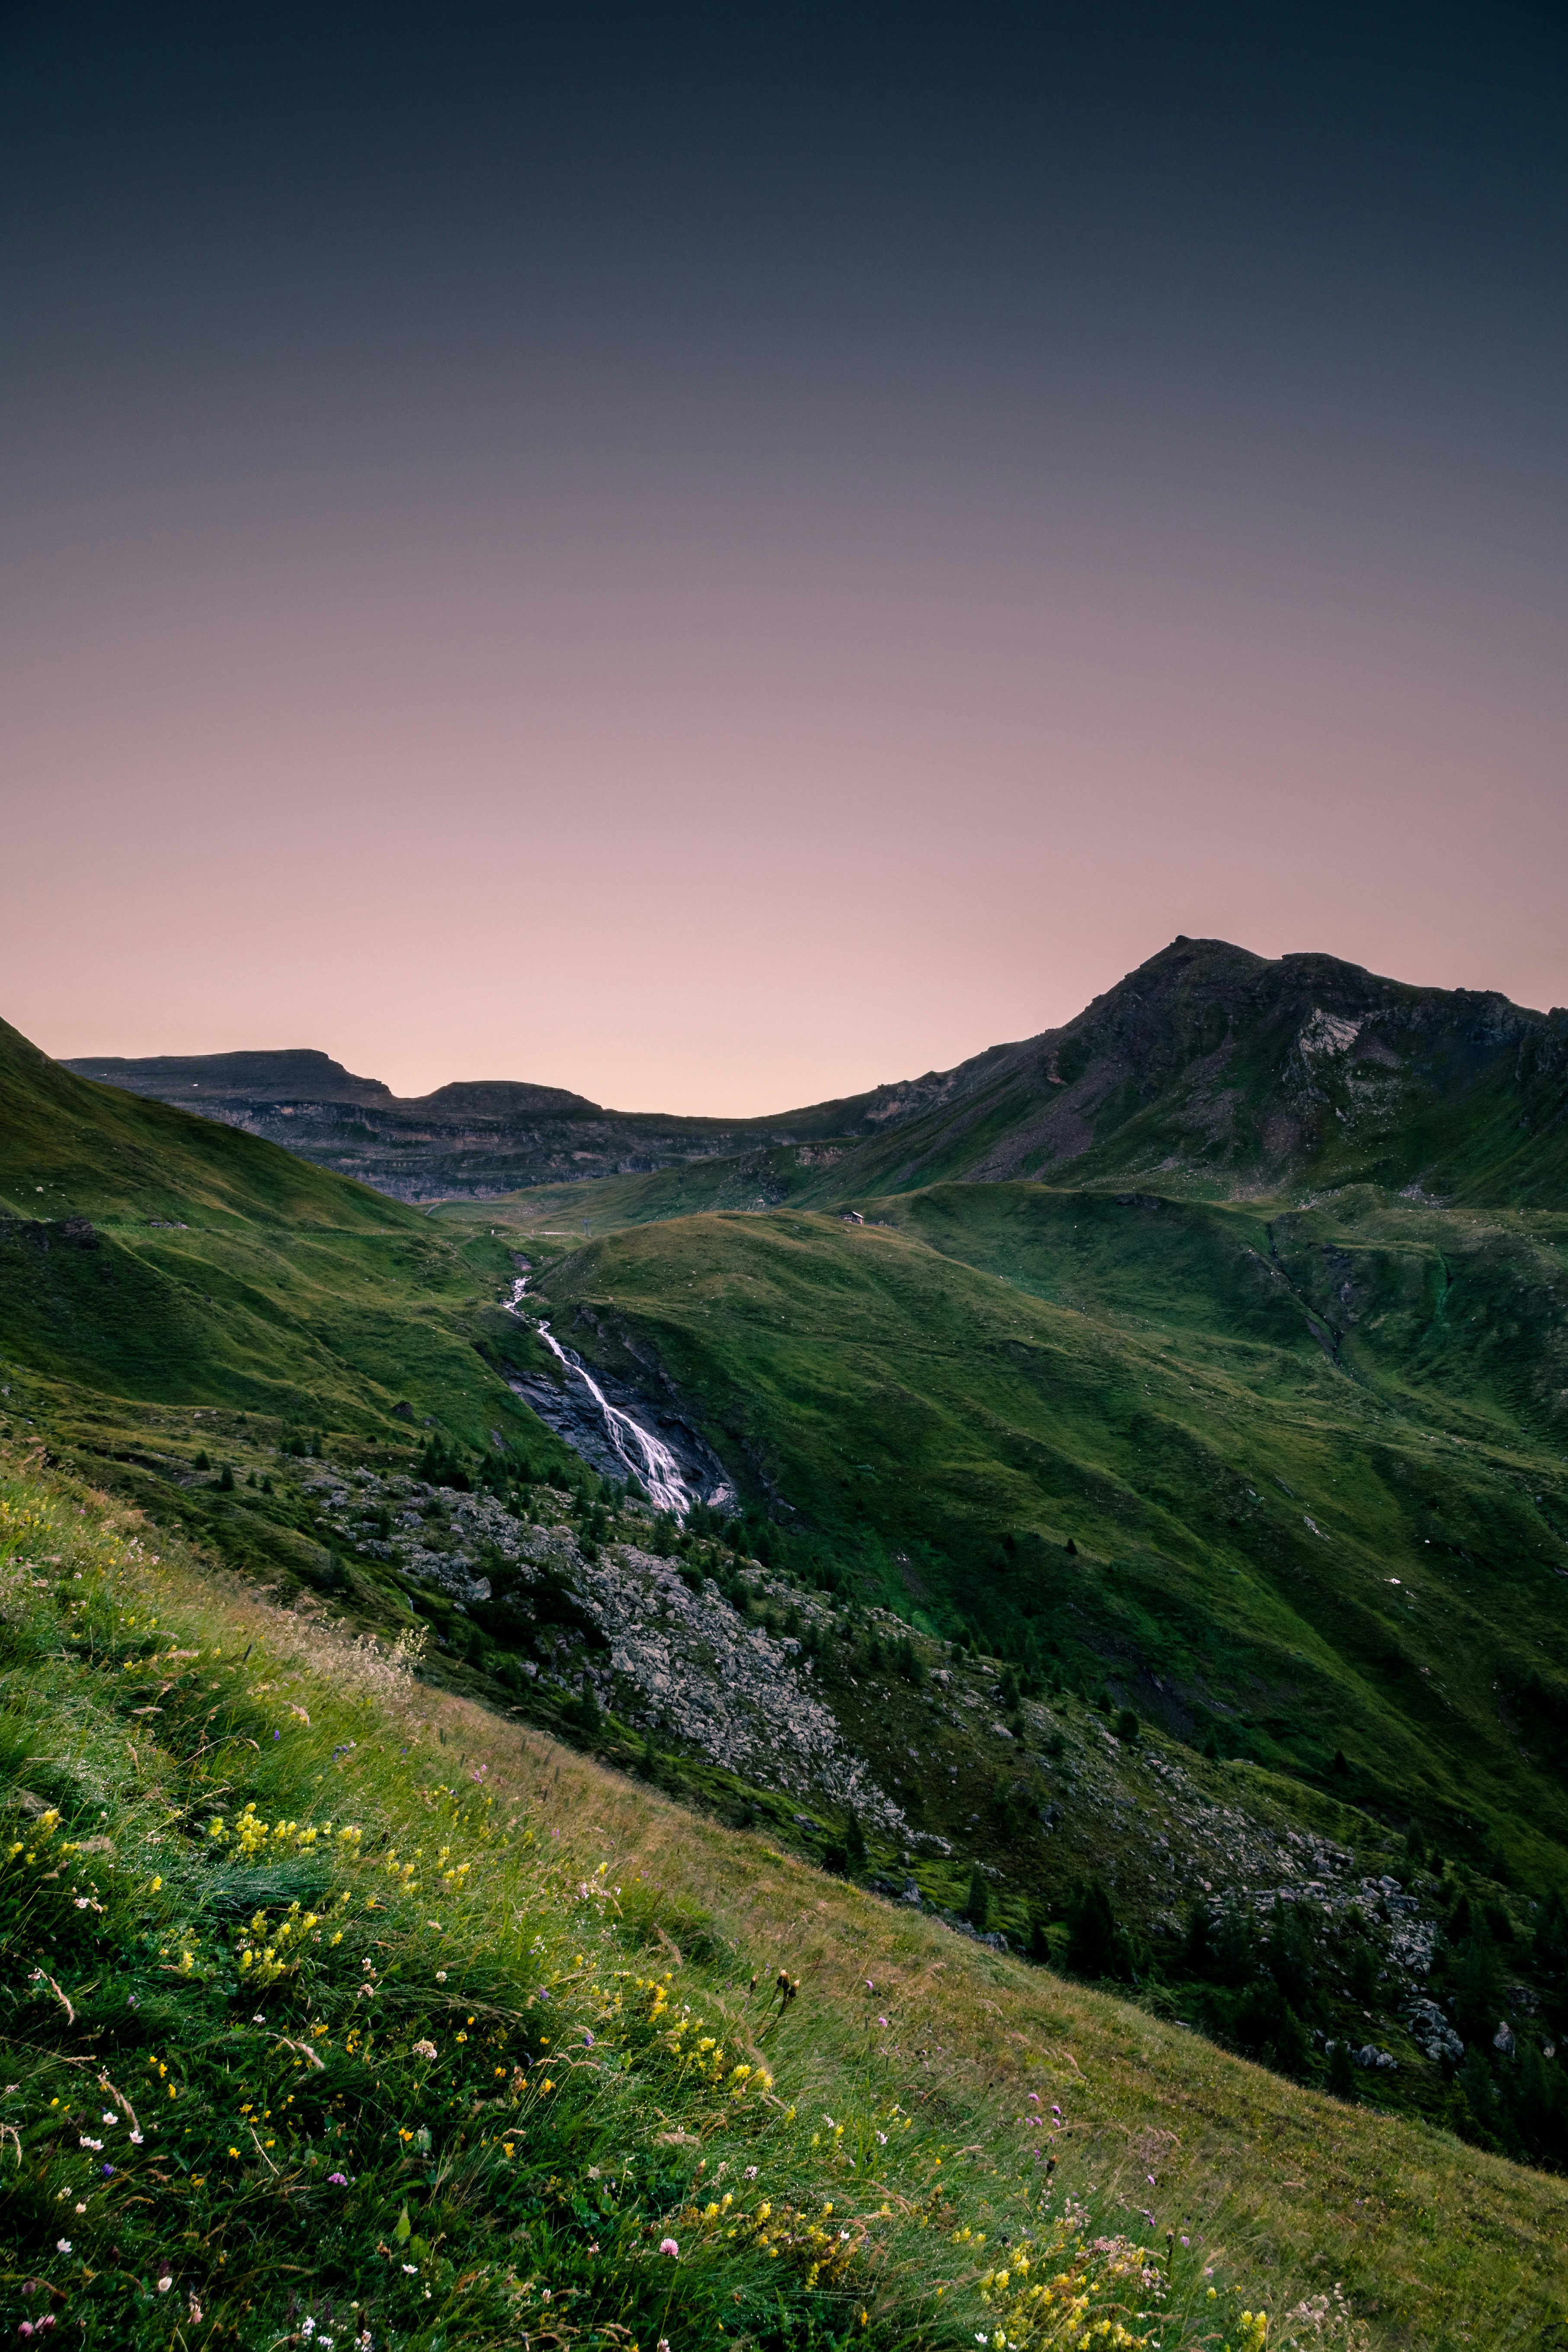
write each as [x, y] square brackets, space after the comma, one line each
[720, 557]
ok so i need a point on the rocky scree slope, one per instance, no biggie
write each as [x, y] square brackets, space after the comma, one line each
[926, 1761]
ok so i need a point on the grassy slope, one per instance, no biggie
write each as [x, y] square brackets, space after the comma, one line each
[1179, 1386]
[1146, 1380]
[224, 1271]
[227, 2193]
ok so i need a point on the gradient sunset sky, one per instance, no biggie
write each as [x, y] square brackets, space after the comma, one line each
[718, 557]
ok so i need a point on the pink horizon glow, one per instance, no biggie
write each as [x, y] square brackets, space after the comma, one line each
[703, 816]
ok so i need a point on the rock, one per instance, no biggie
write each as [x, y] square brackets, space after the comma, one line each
[1433, 2035]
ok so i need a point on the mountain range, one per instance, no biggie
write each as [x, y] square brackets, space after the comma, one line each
[1207, 1064]
[1129, 1510]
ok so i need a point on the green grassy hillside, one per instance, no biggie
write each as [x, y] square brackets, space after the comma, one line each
[148, 1254]
[1126, 1554]
[1298, 1538]
[337, 2010]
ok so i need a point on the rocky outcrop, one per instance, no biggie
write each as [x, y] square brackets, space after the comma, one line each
[675, 1661]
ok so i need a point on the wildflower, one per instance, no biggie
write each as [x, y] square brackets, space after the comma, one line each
[164, 2284]
[337, 2180]
[410, 2269]
[107, 2171]
[669, 2246]
[62, 2245]
[425, 2049]
[90, 2143]
[109, 2117]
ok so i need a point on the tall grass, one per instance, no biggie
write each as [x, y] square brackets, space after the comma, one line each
[327, 2021]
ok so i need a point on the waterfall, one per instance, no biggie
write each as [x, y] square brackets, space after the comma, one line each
[647, 1457]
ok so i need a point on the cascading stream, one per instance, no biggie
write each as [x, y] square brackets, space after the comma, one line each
[647, 1457]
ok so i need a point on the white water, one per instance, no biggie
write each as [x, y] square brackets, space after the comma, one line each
[647, 1457]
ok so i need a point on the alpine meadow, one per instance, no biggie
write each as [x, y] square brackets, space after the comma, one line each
[937, 1720]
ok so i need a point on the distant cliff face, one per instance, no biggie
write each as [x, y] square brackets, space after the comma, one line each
[480, 1138]
[1206, 1063]
[301, 1074]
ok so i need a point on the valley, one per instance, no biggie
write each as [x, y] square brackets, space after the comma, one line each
[1110, 1499]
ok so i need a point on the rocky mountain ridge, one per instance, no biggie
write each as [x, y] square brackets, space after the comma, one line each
[1207, 1063]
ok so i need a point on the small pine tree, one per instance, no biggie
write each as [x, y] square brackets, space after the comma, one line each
[586, 1708]
[977, 1903]
[202, 1463]
[1342, 2073]
[226, 1480]
[1339, 1764]
[1127, 1725]
[854, 1844]
[1551, 1935]
[1096, 1946]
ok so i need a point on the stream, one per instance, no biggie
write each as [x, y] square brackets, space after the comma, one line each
[647, 1457]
